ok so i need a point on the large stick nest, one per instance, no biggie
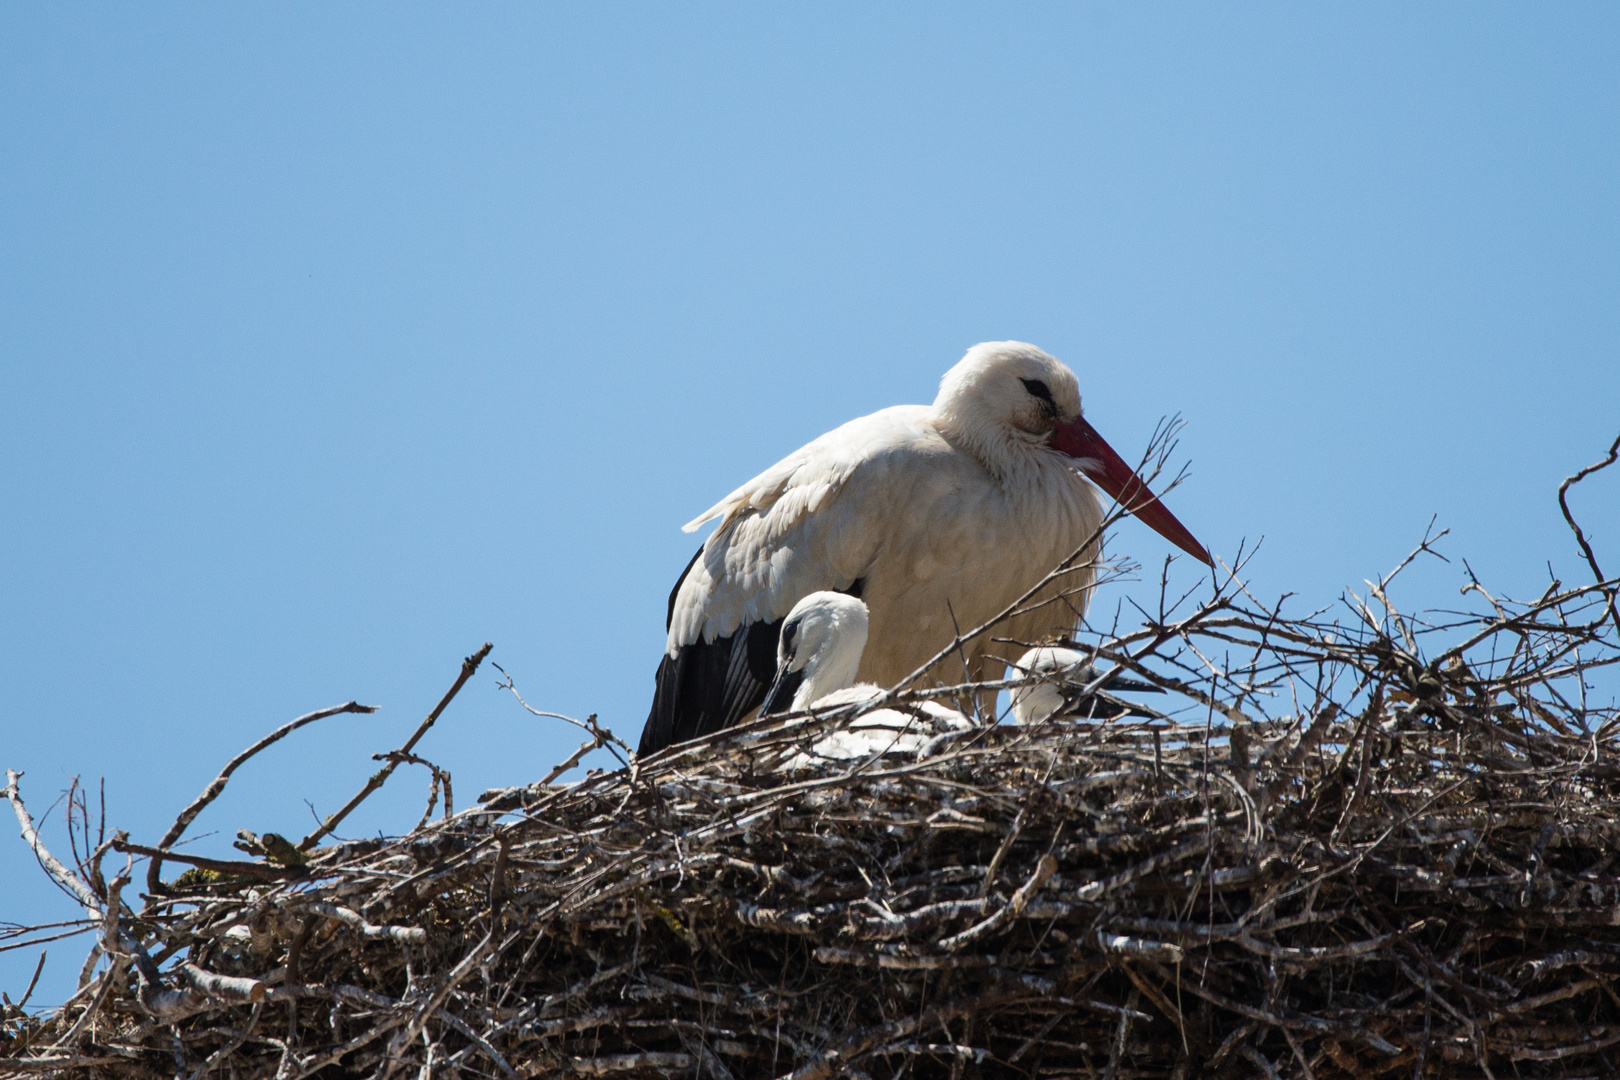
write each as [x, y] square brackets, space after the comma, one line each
[1336, 853]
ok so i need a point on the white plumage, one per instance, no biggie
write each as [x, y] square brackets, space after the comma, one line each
[1056, 669]
[907, 499]
[937, 516]
[1057, 684]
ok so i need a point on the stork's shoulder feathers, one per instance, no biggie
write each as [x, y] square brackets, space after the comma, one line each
[802, 525]
[806, 479]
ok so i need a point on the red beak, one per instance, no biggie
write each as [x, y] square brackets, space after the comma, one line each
[1108, 471]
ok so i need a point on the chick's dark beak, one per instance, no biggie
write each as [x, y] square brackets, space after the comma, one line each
[779, 698]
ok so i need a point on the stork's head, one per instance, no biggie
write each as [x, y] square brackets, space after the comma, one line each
[820, 650]
[1010, 404]
[1008, 391]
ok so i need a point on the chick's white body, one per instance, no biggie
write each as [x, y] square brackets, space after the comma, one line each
[1054, 675]
[881, 731]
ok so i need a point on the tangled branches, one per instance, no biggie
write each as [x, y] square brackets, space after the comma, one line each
[1381, 845]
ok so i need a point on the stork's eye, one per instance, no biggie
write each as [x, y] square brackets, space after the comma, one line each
[1042, 393]
[1038, 389]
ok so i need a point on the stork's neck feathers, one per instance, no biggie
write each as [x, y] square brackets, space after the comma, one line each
[1012, 456]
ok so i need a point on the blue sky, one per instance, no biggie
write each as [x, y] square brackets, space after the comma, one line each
[338, 340]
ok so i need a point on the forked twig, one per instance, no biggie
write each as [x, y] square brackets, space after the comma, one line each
[378, 778]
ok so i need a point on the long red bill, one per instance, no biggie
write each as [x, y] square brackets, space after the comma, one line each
[1108, 471]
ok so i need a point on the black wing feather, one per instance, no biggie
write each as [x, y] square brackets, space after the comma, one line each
[709, 685]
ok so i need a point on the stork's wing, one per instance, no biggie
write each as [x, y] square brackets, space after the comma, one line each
[709, 685]
[802, 525]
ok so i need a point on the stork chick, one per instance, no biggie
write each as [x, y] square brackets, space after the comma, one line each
[1057, 678]
[816, 660]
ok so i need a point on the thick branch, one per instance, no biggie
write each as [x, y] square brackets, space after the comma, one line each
[64, 877]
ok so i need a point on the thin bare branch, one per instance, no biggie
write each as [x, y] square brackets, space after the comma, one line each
[154, 882]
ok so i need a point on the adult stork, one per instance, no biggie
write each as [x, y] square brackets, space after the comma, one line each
[937, 516]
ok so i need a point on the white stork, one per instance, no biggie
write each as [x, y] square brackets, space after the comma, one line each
[819, 653]
[1056, 684]
[816, 660]
[937, 516]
